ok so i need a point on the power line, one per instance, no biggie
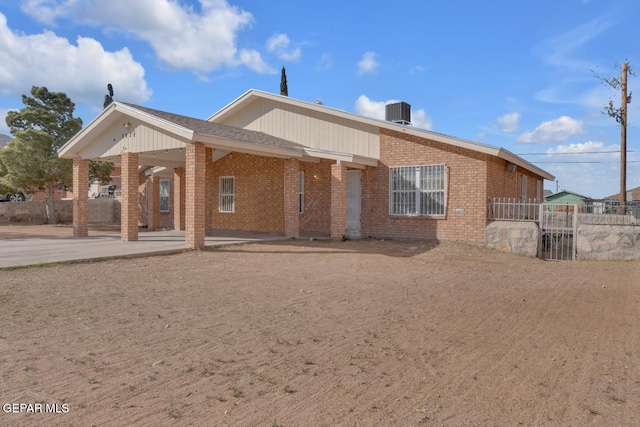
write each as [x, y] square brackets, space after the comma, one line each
[581, 152]
[629, 161]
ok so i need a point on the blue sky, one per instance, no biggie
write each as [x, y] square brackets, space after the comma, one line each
[513, 74]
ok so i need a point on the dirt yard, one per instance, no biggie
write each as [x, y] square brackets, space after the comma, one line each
[357, 333]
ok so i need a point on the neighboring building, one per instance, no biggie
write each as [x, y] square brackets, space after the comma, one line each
[566, 197]
[272, 163]
[633, 194]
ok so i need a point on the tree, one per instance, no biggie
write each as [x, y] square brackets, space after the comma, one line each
[284, 90]
[31, 160]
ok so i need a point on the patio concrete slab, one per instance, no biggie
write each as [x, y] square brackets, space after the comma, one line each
[32, 251]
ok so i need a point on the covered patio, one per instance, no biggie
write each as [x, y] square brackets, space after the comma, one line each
[138, 139]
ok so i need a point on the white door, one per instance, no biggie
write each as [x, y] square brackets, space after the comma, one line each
[353, 203]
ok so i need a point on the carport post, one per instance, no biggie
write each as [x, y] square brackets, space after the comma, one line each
[195, 195]
[153, 195]
[178, 198]
[80, 197]
[130, 208]
[291, 214]
[209, 190]
[338, 200]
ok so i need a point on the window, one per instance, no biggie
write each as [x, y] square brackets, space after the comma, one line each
[539, 191]
[165, 188]
[300, 192]
[418, 190]
[227, 194]
[523, 188]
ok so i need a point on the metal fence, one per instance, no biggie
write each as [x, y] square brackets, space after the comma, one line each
[510, 209]
[592, 212]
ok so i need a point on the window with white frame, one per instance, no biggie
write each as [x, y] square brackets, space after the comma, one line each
[227, 201]
[165, 188]
[418, 190]
[523, 188]
[301, 192]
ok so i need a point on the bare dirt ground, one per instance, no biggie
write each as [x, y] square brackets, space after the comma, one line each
[298, 333]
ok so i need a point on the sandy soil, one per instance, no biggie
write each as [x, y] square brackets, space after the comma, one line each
[302, 333]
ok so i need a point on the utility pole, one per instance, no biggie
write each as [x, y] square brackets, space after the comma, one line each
[623, 136]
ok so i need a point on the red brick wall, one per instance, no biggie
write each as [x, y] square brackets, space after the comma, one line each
[291, 191]
[466, 205]
[195, 195]
[316, 218]
[259, 193]
[178, 207]
[502, 183]
[81, 199]
[338, 201]
[130, 195]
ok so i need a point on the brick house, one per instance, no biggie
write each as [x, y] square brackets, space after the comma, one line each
[272, 163]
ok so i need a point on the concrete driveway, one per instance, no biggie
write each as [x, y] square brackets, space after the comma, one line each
[32, 251]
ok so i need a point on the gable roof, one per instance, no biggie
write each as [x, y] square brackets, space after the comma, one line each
[252, 95]
[563, 193]
[186, 129]
[634, 191]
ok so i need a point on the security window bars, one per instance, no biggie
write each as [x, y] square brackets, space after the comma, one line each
[301, 192]
[227, 194]
[165, 188]
[418, 190]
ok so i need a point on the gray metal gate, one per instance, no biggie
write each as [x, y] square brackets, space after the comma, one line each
[558, 226]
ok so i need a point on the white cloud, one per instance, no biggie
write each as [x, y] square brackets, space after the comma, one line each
[589, 168]
[4, 129]
[419, 119]
[325, 62]
[82, 70]
[589, 147]
[556, 130]
[509, 122]
[376, 110]
[367, 64]
[368, 108]
[279, 44]
[182, 38]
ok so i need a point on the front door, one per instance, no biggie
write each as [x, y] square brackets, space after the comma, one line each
[353, 203]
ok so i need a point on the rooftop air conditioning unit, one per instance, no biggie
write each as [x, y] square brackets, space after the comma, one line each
[399, 112]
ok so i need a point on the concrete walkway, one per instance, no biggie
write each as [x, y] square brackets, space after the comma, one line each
[31, 251]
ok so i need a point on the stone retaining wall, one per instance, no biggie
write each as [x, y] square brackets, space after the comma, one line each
[608, 242]
[100, 210]
[593, 242]
[513, 236]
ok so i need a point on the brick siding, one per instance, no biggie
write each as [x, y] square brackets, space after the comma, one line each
[195, 195]
[338, 201]
[290, 195]
[130, 195]
[465, 217]
[80, 197]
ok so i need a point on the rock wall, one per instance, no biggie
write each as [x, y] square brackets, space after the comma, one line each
[608, 242]
[100, 210]
[513, 236]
